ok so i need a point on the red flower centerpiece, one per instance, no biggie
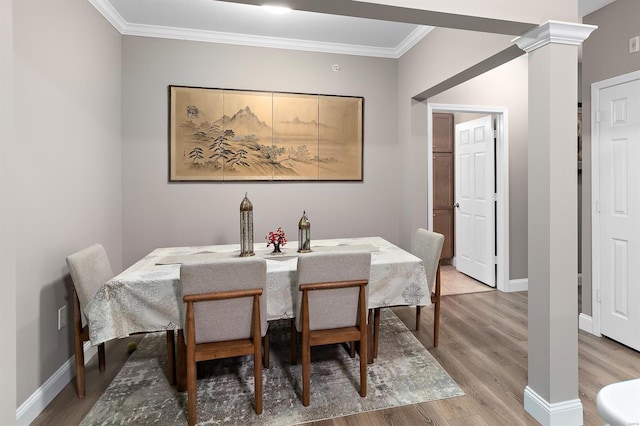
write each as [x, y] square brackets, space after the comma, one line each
[277, 239]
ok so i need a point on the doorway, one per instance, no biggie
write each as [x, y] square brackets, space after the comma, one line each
[501, 181]
[615, 136]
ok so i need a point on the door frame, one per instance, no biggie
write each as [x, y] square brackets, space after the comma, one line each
[501, 178]
[595, 193]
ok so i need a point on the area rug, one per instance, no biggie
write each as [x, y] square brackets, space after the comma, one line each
[404, 373]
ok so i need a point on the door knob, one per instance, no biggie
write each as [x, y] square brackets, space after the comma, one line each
[456, 205]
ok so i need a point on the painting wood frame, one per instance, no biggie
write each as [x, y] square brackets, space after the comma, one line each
[222, 135]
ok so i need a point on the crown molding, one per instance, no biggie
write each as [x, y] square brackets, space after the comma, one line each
[257, 41]
[142, 30]
[411, 40]
[554, 32]
[110, 13]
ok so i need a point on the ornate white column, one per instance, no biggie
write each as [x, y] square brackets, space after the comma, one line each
[551, 395]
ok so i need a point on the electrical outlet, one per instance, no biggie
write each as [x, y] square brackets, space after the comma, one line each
[62, 317]
[634, 44]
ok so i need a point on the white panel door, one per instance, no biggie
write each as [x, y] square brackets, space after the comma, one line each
[475, 200]
[619, 137]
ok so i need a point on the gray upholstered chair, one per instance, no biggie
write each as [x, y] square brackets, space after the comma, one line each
[226, 316]
[331, 307]
[89, 269]
[427, 245]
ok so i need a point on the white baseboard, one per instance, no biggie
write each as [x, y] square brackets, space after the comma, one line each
[38, 401]
[565, 413]
[517, 285]
[585, 323]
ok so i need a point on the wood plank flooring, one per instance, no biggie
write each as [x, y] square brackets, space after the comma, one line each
[483, 346]
[454, 282]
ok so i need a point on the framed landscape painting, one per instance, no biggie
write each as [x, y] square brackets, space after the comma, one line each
[236, 135]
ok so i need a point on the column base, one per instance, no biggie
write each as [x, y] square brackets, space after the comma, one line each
[565, 413]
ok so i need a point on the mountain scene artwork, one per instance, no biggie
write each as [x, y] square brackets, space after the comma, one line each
[235, 135]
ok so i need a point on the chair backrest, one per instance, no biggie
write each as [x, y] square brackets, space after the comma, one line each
[90, 270]
[222, 320]
[427, 245]
[332, 308]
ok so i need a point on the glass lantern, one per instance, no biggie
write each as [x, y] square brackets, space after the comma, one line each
[246, 227]
[304, 234]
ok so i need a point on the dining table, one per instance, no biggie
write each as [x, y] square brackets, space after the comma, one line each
[146, 296]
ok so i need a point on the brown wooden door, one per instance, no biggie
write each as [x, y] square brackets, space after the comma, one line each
[443, 181]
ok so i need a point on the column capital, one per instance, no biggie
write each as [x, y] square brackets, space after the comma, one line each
[554, 32]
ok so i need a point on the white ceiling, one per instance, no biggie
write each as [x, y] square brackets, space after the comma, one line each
[585, 7]
[224, 22]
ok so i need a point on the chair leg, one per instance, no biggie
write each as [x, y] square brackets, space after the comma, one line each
[257, 374]
[436, 324]
[191, 391]
[364, 339]
[181, 363]
[372, 336]
[171, 356]
[436, 311]
[190, 360]
[265, 346]
[101, 357]
[78, 339]
[363, 362]
[294, 342]
[373, 333]
[418, 312]
[376, 327]
[306, 370]
[79, 351]
[352, 349]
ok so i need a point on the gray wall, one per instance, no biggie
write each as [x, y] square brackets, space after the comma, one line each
[438, 56]
[463, 117]
[604, 55]
[506, 86]
[7, 219]
[67, 179]
[157, 213]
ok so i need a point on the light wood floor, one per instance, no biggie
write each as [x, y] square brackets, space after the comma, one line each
[454, 282]
[483, 346]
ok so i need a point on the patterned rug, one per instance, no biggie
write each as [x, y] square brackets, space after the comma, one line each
[404, 373]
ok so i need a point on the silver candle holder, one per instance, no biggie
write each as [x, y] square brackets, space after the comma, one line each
[246, 227]
[304, 234]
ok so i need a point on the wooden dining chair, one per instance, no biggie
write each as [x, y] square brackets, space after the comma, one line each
[89, 269]
[226, 316]
[427, 245]
[331, 308]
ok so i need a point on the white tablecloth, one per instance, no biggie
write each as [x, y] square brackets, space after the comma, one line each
[145, 297]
